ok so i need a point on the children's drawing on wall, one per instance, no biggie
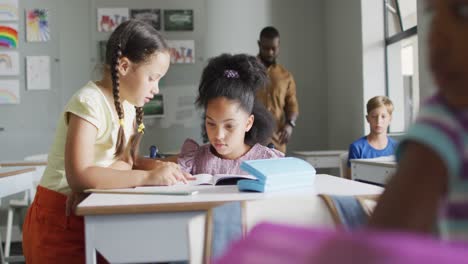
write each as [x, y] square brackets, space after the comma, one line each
[9, 63]
[109, 18]
[9, 92]
[178, 20]
[180, 107]
[9, 35]
[155, 107]
[37, 25]
[9, 10]
[152, 16]
[38, 72]
[182, 51]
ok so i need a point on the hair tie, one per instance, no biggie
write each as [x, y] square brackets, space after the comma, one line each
[231, 74]
[121, 122]
[141, 128]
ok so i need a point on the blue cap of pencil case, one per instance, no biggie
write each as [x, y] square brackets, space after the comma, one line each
[276, 174]
[257, 186]
[263, 168]
[250, 186]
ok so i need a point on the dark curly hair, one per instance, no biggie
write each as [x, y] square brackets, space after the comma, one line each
[238, 77]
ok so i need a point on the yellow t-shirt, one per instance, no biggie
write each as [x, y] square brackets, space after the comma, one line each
[90, 104]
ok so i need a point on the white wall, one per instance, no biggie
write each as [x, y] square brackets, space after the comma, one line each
[344, 72]
[373, 52]
[233, 26]
[427, 86]
[302, 27]
[395, 80]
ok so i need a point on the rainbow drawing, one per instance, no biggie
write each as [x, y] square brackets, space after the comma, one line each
[37, 25]
[9, 92]
[5, 61]
[9, 10]
[9, 63]
[8, 35]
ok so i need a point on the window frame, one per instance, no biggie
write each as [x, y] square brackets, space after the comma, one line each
[389, 40]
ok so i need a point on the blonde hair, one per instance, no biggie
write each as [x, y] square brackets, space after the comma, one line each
[379, 101]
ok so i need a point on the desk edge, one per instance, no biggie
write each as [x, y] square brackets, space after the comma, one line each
[23, 164]
[295, 154]
[147, 208]
[16, 172]
[376, 164]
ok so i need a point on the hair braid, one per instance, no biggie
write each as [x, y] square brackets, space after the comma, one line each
[136, 41]
[118, 106]
[140, 130]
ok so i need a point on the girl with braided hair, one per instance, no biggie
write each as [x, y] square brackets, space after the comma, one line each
[96, 144]
[237, 126]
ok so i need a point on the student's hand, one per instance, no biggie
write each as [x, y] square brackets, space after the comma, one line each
[166, 173]
[73, 200]
[285, 134]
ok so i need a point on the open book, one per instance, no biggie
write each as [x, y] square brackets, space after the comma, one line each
[219, 179]
[154, 190]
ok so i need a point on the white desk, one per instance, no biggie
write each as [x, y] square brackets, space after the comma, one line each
[373, 170]
[153, 228]
[321, 158]
[14, 180]
[39, 166]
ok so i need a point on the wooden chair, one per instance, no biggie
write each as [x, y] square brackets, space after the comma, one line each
[344, 166]
[306, 211]
[361, 207]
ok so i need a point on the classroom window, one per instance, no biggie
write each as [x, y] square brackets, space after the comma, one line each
[401, 54]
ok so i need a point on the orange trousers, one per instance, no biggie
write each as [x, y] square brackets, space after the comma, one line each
[49, 236]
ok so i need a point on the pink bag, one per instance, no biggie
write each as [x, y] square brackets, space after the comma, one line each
[273, 243]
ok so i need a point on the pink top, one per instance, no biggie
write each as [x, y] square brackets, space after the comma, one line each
[197, 159]
[279, 243]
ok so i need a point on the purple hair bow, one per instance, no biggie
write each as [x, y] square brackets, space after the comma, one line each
[231, 74]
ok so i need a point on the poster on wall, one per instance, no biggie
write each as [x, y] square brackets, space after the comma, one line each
[109, 18]
[38, 72]
[8, 35]
[9, 10]
[152, 16]
[178, 20]
[37, 25]
[9, 63]
[180, 107]
[182, 51]
[9, 92]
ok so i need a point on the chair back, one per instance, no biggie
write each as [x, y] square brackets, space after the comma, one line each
[350, 212]
[344, 166]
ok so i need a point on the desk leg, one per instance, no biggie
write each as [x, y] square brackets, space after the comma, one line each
[89, 244]
[2, 257]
